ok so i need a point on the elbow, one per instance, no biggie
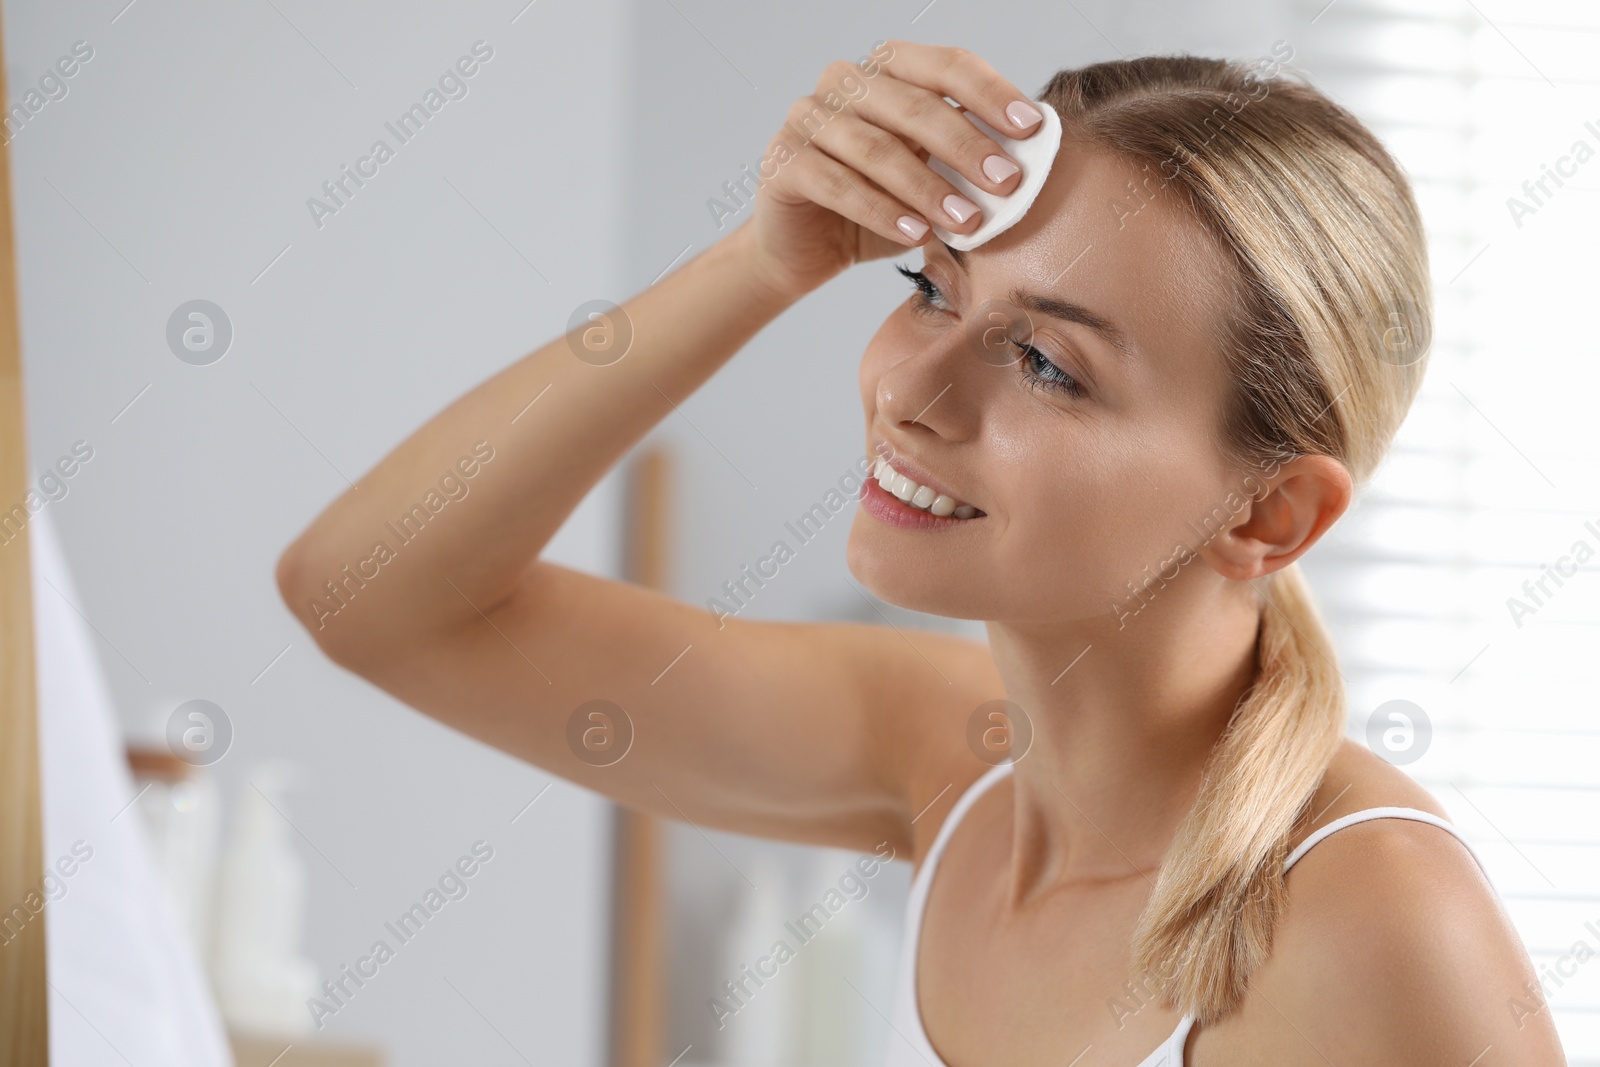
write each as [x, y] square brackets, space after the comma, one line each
[287, 575]
[295, 592]
[307, 604]
[353, 638]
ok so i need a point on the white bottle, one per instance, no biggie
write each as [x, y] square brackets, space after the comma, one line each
[263, 981]
[762, 1032]
[834, 962]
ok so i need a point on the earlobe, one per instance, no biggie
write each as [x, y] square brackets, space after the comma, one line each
[1282, 517]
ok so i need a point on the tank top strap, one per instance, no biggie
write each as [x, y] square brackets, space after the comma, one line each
[1380, 813]
[1171, 1052]
[964, 802]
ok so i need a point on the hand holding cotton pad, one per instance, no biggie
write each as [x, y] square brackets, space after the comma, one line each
[1033, 154]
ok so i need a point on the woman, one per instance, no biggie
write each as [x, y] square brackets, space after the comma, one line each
[1110, 432]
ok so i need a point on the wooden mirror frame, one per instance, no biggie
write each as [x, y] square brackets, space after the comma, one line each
[24, 1018]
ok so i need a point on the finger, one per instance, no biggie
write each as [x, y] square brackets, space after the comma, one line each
[921, 118]
[962, 75]
[916, 149]
[818, 177]
[886, 160]
[918, 115]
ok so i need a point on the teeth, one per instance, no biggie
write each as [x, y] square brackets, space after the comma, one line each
[919, 496]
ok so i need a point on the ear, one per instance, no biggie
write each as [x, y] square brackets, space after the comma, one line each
[1283, 517]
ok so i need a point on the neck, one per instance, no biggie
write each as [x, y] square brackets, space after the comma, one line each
[1121, 738]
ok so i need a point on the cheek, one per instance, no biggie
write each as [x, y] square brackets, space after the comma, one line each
[1084, 516]
[1091, 521]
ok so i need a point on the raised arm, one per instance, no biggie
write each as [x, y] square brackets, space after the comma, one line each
[426, 580]
[520, 451]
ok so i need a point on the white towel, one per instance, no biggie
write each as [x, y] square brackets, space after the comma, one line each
[127, 984]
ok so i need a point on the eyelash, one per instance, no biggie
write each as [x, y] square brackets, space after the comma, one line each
[1053, 378]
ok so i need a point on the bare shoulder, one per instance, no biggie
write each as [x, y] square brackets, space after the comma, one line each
[1394, 949]
[1358, 779]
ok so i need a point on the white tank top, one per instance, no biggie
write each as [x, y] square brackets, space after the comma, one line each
[908, 1042]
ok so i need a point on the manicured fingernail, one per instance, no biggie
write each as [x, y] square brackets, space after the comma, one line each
[959, 207]
[999, 168]
[1022, 114]
[912, 226]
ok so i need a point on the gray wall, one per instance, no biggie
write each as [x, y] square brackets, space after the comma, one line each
[178, 167]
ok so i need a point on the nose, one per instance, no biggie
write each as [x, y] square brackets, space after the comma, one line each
[942, 386]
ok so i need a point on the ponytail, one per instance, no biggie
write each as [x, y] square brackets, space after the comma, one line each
[1332, 266]
[1209, 922]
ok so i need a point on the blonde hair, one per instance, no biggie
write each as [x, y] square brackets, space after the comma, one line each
[1327, 344]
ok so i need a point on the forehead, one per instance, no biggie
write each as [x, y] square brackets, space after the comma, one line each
[1106, 234]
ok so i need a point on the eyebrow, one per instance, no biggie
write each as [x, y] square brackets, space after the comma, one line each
[1058, 308]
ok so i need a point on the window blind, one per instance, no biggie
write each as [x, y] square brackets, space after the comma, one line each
[1432, 582]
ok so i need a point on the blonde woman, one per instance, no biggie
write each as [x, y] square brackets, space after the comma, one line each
[1188, 862]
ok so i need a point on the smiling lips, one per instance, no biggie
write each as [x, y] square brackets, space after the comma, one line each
[920, 496]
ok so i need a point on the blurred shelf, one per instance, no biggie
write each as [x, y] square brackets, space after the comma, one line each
[272, 1052]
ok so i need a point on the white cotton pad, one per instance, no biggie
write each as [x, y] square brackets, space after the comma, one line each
[1033, 154]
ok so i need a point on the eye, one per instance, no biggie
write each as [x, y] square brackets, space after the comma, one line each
[927, 292]
[1043, 372]
[1038, 370]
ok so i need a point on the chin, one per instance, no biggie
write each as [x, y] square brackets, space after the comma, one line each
[895, 576]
